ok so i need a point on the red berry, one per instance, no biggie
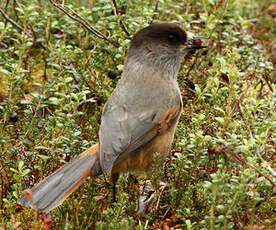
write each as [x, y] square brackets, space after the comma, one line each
[211, 150]
[47, 222]
[224, 76]
[57, 31]
[197, 42]
[121, 11]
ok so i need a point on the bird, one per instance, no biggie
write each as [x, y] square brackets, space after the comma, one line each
[138, 120]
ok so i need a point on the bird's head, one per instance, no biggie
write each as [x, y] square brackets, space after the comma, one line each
[162, 46]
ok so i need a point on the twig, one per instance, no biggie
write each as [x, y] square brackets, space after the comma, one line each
[220, 17]
[238, 103]
[269, 85]
[243, 161]
[272, 172]
[121, 22]
[246, 67]
[192, 66]
[7, 4]
[74, 72]
[84, 22]
[3, 45]
[16, 4]
[196, 58]
[16, 25]
[155, 11]
[252, 20]
[2, 188]
[261, 90]
[240, 99]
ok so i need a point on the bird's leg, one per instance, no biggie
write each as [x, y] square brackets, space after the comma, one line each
[133, 186]
[149, 199]
[114, 178]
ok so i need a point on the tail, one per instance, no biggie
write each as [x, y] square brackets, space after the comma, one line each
[54, 189]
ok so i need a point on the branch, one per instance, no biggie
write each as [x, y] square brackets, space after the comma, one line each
[261, 90]
[155, 11]
[209, 47]
[192, 66]
[16, 25]
[243, 161]
[271, 170]
[240, 99]
[3, 45]
[269, 85]
[220, 18]
[17, 5]
[121, 22]
[84, 22]
[72, 70]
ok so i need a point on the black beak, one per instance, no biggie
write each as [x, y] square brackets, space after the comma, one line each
[194, 47]
[200, 37]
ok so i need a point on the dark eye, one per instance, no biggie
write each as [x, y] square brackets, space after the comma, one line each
[173, 38]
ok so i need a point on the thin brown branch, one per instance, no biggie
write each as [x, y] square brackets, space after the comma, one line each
[17, 5]
[76, 17]
[74, 72]
[155, 11]
[192, 66]
[269, 85]
[269, 169]
[246, 67]
[196, 58]
[244, 162]
[121, 22]
[3, 45]
[14, 24]
[261, 90]
[240, 99]
[220, 18]
[6, 5]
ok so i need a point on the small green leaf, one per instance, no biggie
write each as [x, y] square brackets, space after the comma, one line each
[25, 102]
[220, 119]
[14, 170]
[20, 165]
[220, 110]
[25, 172]
[40, 147]
[5, 72]
[43, 157]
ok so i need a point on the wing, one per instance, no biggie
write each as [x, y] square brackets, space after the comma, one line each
[123, 131]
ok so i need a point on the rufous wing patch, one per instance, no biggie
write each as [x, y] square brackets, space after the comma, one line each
[92, 150]
[168, 118]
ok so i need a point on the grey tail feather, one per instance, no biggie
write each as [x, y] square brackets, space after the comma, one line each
[51, 192]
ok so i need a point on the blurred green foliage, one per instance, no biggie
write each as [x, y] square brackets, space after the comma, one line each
[54, 76]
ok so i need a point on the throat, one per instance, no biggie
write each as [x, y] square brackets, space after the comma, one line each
[166, 66]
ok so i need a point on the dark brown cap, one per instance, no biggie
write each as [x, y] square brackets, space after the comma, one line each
[169, 33]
